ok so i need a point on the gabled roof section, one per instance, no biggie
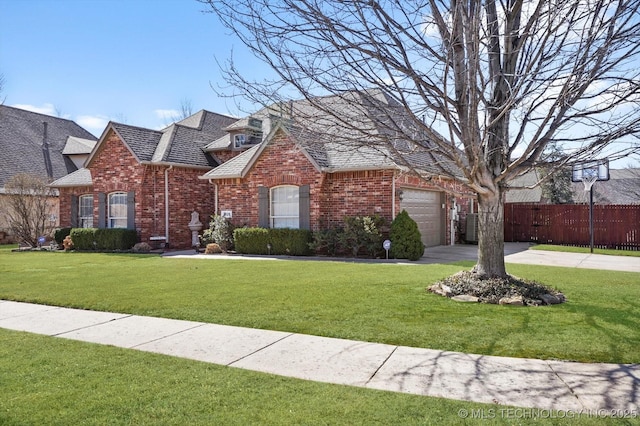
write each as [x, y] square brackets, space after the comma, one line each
[21, 143]
[81, 177]
[181, 143]
[78, 146]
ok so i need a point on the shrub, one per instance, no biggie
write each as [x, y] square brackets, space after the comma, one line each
[406, 241]
[220, 232]
[293, 242]
[362, 232]
[326, 241]
[103, 239]
[60, 234]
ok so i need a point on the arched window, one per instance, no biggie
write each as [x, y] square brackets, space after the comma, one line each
[117, 210]
[85, 211]
[285, 207]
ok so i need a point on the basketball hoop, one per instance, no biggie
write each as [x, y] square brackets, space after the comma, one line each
[588, 180]
[588, 172]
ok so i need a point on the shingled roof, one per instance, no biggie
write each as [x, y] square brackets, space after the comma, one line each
[355, 141]
[180, 143]
[21, 143]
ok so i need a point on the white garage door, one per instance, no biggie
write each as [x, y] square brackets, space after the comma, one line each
[425, 207]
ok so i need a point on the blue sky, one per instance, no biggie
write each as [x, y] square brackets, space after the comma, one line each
[130, 61]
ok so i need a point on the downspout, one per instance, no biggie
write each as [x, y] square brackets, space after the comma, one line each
[215, 196]
[393, 196]
[166, 204]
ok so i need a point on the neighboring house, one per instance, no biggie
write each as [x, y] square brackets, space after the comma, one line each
[281, 167]
[623, 187]
[35, 143]
[145, 179]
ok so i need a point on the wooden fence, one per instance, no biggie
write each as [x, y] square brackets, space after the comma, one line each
[614, 226]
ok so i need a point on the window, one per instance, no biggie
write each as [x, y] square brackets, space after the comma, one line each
[285, 207]
[117, 210]
[239, 140]
[85, 211]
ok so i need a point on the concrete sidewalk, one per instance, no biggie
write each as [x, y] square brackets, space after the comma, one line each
[598, 389]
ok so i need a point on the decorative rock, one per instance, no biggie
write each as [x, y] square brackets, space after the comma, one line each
[440, 289]
[550, 299]
[465, 298]
[515, 301]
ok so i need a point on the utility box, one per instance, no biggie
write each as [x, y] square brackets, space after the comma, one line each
[472, 228]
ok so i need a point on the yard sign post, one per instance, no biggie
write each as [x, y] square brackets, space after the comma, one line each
[588, 172]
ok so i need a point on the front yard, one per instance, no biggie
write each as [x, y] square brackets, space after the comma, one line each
[383, 303]
[46, 380]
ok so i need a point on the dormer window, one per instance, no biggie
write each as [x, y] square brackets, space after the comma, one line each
[239, 140]
[251, 138]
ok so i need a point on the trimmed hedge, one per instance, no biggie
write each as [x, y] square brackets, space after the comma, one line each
[103, 239]
[283, 241]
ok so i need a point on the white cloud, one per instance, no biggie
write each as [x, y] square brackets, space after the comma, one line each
[167, 115]
[47, 108]
[93, 123]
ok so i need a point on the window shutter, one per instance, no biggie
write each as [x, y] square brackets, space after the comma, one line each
[102, 210]
[75, 207]
[304, 210]
[263, 207]
[131, 210]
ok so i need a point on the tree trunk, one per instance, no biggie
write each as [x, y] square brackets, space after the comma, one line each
[491, 235]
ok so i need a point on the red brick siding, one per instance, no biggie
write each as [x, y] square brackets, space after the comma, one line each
[114, 168]
[333, 195]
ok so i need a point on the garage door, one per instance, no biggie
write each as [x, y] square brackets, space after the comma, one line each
[425, 207]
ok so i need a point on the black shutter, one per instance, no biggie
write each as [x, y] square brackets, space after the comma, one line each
[263, 207]
[74, 211]
[304, 209]
[102, 210]
[131, 210]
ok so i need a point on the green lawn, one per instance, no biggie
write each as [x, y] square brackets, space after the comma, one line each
[383, 303]
[45, 380]
[50, 381]
[571, 249]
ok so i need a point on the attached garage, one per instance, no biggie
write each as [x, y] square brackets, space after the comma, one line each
[425, 207]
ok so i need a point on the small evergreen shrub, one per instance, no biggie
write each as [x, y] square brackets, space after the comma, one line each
[326, 242]
[294, 242]
[406, 241]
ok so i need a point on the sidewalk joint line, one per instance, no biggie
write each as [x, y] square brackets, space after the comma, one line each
[91, 325]
[260, 349]
[168, 335]
[381, 365]
[566, 384]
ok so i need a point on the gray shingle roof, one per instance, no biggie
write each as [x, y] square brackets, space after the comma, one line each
[21, 136]
[76, 145]
[180, 143]
[81, 177]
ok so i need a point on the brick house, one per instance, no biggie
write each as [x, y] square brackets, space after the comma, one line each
[145, 179]
[280, 167]
[40, 145]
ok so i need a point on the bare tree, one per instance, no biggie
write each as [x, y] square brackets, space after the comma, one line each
[28, 207]
[485, 85]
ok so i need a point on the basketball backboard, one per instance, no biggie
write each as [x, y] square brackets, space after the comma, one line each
[588, 170]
